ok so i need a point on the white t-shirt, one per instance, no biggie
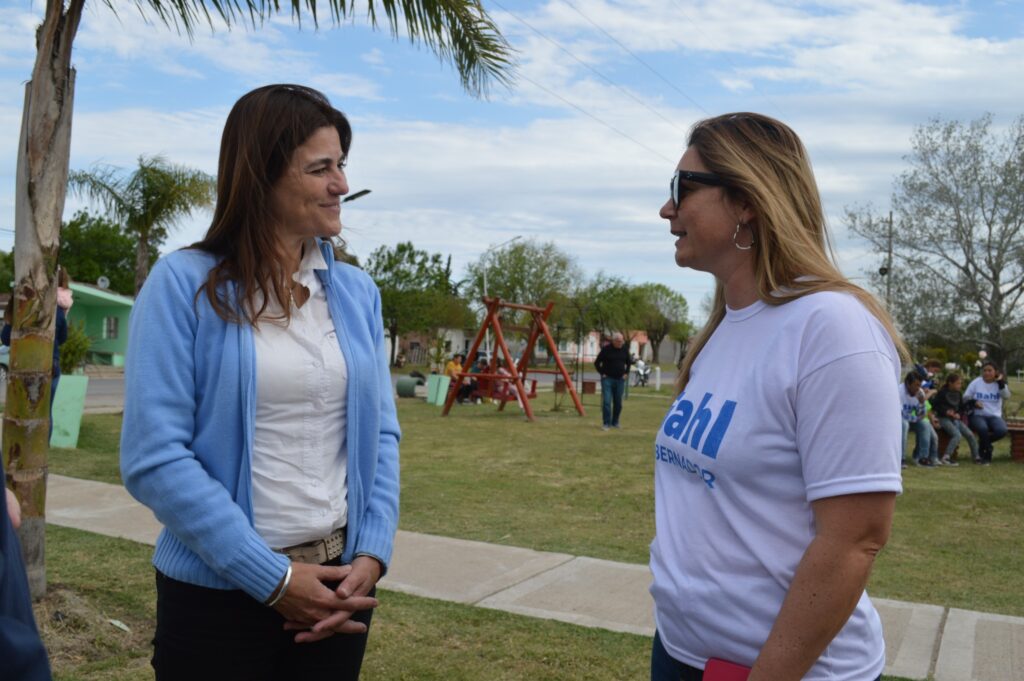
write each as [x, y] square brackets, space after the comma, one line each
[299, 457]
[913, 407]
[785, 405]
[988, 394]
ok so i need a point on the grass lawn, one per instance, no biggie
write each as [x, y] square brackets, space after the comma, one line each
[94, 579]
[562, 484]
[99, 441]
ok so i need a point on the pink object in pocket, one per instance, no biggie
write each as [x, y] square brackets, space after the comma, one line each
[721, 670]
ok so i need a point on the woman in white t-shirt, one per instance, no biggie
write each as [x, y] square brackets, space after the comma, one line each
[778, 465]
[987, 392]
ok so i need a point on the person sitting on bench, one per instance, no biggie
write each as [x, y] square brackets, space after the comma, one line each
[951, 409]
[987, 392]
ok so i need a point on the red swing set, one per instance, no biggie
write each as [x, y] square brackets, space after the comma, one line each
[499, 386]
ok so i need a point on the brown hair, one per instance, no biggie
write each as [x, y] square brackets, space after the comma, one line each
[263, 130]
[766, 167]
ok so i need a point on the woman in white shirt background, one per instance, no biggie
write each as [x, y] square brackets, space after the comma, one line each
[259, 420]
[987, 392]
[778, 465]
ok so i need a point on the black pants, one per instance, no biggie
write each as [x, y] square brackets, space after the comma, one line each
[221, 635]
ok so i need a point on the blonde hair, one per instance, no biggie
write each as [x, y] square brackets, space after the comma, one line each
[765, 166]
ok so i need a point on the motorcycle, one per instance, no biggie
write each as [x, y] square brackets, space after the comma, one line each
[642, 373]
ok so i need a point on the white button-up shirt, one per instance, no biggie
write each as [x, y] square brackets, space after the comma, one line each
[299, 457]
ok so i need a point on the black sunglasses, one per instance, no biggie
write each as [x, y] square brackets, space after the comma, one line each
[693, 176]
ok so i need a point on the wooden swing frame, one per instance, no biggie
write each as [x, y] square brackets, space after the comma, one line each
[517, 372]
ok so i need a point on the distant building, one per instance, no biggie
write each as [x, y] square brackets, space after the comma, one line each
[105, 315]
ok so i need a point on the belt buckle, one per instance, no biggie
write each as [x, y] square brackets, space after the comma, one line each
[317, 551]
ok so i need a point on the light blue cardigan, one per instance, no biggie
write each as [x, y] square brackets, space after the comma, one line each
[190, 404]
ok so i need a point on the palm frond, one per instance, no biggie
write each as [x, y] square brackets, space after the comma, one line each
[458, 31]
[152, 198]
[105, 186]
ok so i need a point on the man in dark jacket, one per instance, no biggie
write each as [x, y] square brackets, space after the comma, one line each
[613, 364]
[22, 655]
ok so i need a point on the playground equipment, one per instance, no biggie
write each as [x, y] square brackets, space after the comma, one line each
[496, 385]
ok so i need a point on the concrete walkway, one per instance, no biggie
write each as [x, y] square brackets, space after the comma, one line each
[922, 641]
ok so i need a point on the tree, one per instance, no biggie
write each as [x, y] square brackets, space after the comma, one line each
[663, 312]
[613, 305]
[524, 272]
[92, 247]
[6, 271]
[416, 291]
[148, 202]
[958, 232]
[927, 313]
[459, 31]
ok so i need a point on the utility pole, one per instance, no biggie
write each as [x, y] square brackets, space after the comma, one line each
[887, 270]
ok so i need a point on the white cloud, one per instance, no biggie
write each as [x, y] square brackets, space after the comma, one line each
[344, 86]
[851, 77]
[119, 137]
[375, 58]
[879, 48]
[259, 55]
[17, 35]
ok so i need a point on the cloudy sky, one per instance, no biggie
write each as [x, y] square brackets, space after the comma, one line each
[580, 151]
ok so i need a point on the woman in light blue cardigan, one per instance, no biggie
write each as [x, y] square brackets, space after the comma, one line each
[220, 335]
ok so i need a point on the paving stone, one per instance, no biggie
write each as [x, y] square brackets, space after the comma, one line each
[978, 646]
[911, 633]
[460, 570]
[99, 507]
[585, 591]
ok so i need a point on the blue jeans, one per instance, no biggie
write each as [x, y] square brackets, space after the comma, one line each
[664, 667]
[956, 429]
[927, 446]
[989, 429]
[611, 400]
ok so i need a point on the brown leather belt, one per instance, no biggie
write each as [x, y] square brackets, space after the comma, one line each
[319, 550]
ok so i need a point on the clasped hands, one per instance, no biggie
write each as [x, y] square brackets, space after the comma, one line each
[317, 612]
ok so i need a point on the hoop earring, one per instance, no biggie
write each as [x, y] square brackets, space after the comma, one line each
[737, 233]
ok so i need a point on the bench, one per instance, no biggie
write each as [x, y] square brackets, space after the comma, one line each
[944, 442]
[1015, 428]
[499, 390]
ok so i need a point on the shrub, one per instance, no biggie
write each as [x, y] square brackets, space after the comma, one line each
[75, 348]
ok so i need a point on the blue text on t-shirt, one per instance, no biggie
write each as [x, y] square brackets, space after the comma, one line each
[687, 425]
[670, 456]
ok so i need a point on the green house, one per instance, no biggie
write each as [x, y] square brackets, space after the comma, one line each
[106, 322]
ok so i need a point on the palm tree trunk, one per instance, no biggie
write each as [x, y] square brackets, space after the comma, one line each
[43, 154]
[141, 260]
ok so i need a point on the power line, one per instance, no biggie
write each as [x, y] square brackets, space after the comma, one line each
[588, 66]
[636, 57]
[592, 116]
[725, 55]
